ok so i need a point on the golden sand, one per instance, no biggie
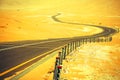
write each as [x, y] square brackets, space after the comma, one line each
[32, 21]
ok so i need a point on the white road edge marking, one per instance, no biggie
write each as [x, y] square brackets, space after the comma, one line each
[24, 45]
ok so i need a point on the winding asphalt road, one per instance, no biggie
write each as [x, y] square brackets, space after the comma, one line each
[15, 53]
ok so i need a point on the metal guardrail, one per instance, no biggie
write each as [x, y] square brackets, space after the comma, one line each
[68, 48]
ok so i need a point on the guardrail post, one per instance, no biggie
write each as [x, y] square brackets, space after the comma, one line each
[71, 47]
[55, 69]
[110, 38]
[105, 39]
[61, 57]
[68, 49]
[102, 40]
[86, 40]
[64, 52]
[79, 43]
[59, 67]
[76, 44]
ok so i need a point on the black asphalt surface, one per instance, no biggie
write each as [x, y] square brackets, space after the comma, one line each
[13, 57]
[15, 53]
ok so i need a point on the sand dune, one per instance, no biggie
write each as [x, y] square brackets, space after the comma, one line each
[28, 26]
[31, 20]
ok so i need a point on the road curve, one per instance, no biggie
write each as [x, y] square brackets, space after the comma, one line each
[106, 30]
[15, 53]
